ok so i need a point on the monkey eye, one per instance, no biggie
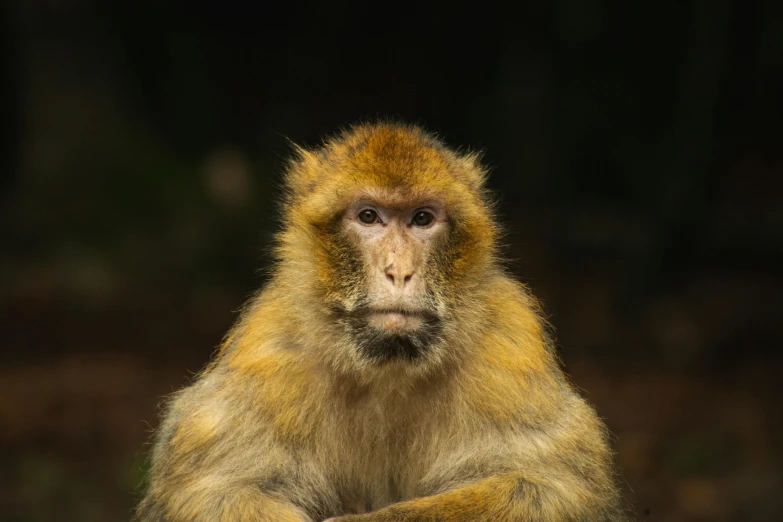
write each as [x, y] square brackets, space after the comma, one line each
[368, 216]
[422, 218]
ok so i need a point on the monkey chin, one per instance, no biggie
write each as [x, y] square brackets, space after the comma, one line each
[383, 336]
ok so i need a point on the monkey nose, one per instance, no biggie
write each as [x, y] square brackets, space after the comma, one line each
[398, 275]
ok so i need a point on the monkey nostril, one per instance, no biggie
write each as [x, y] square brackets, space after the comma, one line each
[407, 279]
[390, 278]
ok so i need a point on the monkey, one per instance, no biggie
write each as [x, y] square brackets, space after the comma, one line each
[391, 369]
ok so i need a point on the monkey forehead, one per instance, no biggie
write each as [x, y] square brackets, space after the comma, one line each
[395, 179]
[395, 165]
[395, 199]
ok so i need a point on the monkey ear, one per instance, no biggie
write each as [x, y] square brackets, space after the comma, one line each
[473, 171]
[302, 172]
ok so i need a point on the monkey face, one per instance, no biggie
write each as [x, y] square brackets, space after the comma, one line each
[389, 233]
[400, 310]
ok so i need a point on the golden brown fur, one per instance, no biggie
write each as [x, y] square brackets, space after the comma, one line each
[291, 422]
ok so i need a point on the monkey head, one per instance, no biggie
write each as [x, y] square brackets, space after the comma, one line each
[390, 232]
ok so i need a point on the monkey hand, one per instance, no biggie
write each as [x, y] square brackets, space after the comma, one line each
[501, 498]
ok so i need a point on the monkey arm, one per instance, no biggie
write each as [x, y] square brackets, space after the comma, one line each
[216, 460]
[508, 497]
[224, 503]
[188, 486]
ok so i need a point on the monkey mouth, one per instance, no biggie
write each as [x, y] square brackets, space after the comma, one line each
[395, 320]
[385, 334]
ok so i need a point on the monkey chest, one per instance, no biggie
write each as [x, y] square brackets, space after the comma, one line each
[378, 471]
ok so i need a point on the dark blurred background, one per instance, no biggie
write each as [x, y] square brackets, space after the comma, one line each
[636, 150]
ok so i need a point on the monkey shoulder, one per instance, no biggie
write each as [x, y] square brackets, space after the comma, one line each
[511, 375]
[198, 415]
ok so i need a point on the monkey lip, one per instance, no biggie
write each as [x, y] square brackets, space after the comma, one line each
[388, 319]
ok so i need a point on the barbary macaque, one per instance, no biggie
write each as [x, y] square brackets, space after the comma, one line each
[390, 370]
